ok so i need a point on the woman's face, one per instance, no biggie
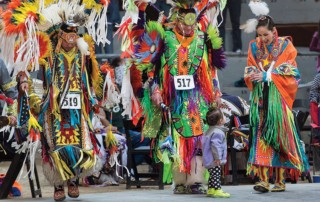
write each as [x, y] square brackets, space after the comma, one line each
[265, 34]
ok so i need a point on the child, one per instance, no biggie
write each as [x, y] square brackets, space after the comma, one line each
[214, 147]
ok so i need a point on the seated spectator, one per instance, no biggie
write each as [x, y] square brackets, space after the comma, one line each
[110, 153]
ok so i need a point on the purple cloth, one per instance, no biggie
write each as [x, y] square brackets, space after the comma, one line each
[315, 46]
[214, 146]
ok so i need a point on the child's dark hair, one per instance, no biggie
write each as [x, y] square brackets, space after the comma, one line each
[265, 21]
[214, 115]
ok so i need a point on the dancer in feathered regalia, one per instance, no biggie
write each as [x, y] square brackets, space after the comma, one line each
[272, 76]
[47, 39]
[180, 56]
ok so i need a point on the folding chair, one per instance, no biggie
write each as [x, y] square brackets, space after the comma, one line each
[12, 173]
[301, 112]
[154, 178]
[233, 151]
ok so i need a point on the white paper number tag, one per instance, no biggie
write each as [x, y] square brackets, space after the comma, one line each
[184, 82]
[71, 101]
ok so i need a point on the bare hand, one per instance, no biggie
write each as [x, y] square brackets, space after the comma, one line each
[13, 120]
[218, 101]
[24, 87]
[218, 162]
[256, 77]
[113, 129]
[156, 98]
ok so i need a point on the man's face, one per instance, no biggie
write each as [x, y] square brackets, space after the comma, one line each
[186, 24]
[69, 39]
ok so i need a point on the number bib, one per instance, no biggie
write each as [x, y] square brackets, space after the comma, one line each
[71, 101]
[183, 82]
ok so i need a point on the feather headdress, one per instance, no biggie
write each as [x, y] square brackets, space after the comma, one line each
[23, 20]
[258, 8]
[205, 7]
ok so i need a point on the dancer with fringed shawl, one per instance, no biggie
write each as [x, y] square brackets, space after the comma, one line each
[180, 55]
[272, 76]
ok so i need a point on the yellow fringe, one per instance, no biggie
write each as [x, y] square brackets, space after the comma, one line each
[96, 77]
[111, 140]
[56, 109]
[61, 167]
[89, 163]
[80, 159]
[33, 123]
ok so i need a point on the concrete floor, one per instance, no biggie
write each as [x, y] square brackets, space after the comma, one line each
[242, 193]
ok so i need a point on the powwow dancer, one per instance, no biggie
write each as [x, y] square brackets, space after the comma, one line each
[272, 76]
[180, 56]
[46, 34]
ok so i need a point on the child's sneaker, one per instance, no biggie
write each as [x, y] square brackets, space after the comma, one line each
[210, 192]
[217, 193]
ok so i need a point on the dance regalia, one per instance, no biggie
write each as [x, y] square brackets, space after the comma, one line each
[187, 107]
[158, 50]
[67, 124]
[275, 140]
[71, 80]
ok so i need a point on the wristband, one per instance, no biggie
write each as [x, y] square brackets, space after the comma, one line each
[264, 76]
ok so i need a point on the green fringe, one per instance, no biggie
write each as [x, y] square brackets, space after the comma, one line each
[167, 173]
[145, 66]
[146, 103]
[254, 107]
[213, 35]
[274, 125]
[153, 116]
[155, 26]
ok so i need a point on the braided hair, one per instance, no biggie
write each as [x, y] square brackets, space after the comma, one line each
[266, 21]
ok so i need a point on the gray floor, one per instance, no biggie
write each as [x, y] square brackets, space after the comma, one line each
[243, 193]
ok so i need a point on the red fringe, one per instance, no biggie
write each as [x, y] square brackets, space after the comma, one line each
[34, 135]
[167, 88]
[136, 79]
[206, 86]
[94, 143]
[186, 150]
[136, 114]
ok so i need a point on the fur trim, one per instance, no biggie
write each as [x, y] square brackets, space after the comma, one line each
[213, 35]
[196, 176]
[83, 46]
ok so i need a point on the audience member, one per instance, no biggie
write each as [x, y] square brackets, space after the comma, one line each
[234, 7]
[162, 5]
[113, 18]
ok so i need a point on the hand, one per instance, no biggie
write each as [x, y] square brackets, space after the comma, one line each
[218, 101]
[256, 77]
[156, 98]
[218, 162]
[24, 86]
[113, 129]
[13, 120]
